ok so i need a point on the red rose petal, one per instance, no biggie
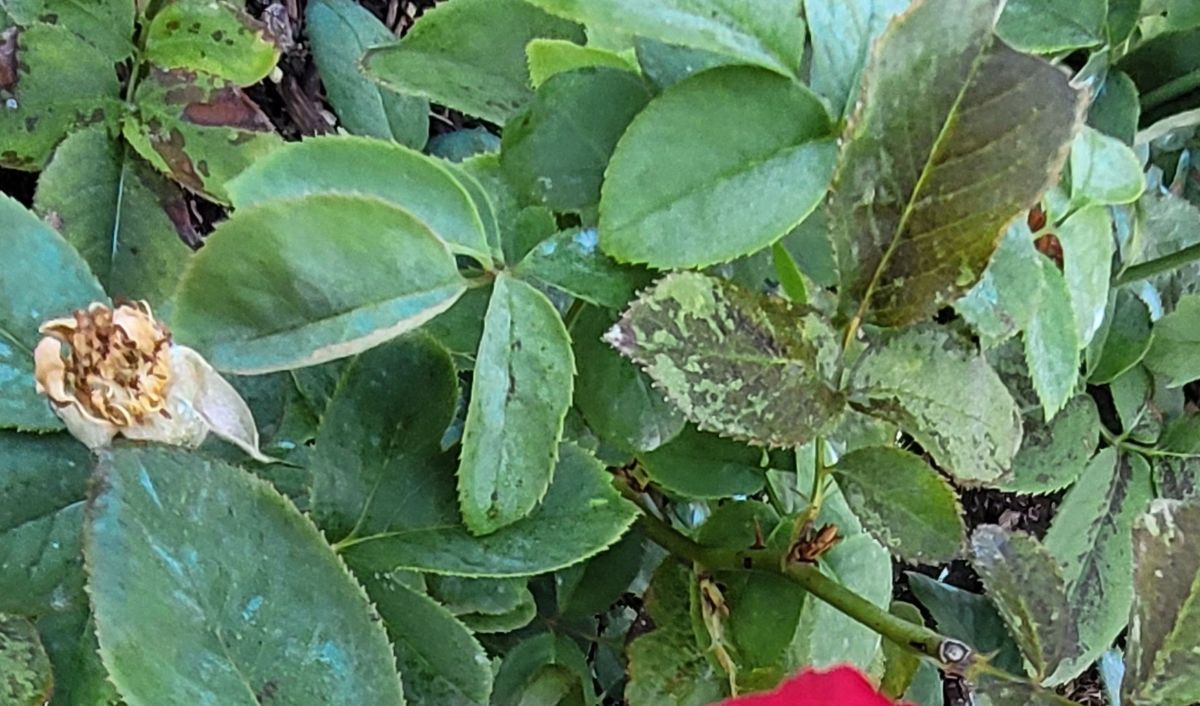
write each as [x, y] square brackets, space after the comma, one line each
[840, 686]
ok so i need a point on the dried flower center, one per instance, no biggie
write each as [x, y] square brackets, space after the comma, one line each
[118, 363]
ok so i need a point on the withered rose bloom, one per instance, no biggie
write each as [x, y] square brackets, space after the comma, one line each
[116, 371]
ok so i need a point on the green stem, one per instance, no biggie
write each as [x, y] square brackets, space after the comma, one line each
[1171, 90]
[950, 654]
[1166, 263]
[816, 496]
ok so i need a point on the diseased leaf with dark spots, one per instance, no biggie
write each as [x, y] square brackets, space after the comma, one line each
[1162, 661]
[743, 365]
[51, 83]
[925, 187]
[107, 25]
[198, 129]
[113, 208]
[212, 36]
[947, 397]
[1053, 455]
[1026, 585]
[1091, 540]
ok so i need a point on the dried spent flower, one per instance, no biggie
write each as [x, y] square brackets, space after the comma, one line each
[110, 371]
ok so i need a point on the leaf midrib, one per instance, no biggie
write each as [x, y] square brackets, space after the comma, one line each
[926, 170]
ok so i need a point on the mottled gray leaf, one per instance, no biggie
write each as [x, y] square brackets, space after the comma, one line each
[740, 364]
[971, 427]
[1026, 585]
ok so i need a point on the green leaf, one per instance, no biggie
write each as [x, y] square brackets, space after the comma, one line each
[926, 688]
[1087, 246]
[742, 365]
[544, 669]
[62, 83]
[758, 613]
[1161, 660]
[1167, 225]
[1116, 110]
[667, 64]
[43, 278]
[1176, 337]
[764, 612]
[118, 214]
[469, 55]
[995, 688]
[43, 480]
[182, 525]
[1104, 170]
[549, 57]
[903, 503]
[769, 34]
[462, 144]
[79, 676]
[913, 234]
[1164, 68]
[1026, 585]
[579, 517]
[709, 171]
[843, 32]
[556, 151]
[518, 617]
[900, 664]
[705, 466]
[1131, 396]
[212, 36]
[969, 617]
[340, 32]
[370, 436]
[666, 666]
[1051, 342]
[1091, 540]
[441, 663]
[286, 285]
[860, 564]
[519, 398]
[1054, 454]
[1123, 340]
[972, 428]
[1007, 298]
[25, 678]
[1049, 26]
[587, 589]
[463, 596]
[571, 260]
[421, 185]
[616, 398]
[199, 130]
[105, 24]
[461, 327]
[1178, 478]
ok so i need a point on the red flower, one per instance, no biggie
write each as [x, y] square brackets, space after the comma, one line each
[840, 686]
